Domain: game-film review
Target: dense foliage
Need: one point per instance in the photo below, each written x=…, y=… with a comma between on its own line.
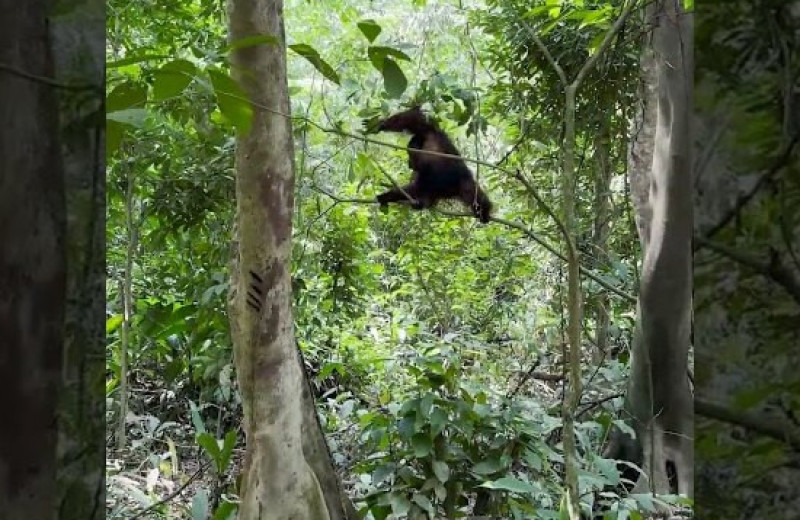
x=434, y=343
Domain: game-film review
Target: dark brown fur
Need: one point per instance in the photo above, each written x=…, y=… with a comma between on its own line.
x=433, y=178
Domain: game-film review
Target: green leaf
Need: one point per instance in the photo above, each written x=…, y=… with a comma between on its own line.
x=200, y=505
x=113, y=322
x=441, y=470
x=422, y=445
x=509, y=484
x=400, y=504
x=394, y=81
x=328, y=368
x=370, y=29
x=311, y=54
x=126, y=95
x=381, y=473
x=172, y=79
x=644, y=501
x=423, y=502
x=135, y=59
x=377, y=53
x=197, y=421
x=211, y=447
x=232, y=101
x=135, y=117
x=225, y=511
x=488, y=466
x=114, y=134
x=227, y=450
x=437, y=420
x=594, y=44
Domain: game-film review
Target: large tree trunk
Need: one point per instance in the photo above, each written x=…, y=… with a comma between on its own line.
x=79, y=52
x=32, y=265
x=659, y=398
x=286, y=474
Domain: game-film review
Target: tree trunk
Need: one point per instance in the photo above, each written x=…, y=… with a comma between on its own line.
x=601, y=210
x=659, y=399
x=32, y=265
x=79, y=52
x=286, y=474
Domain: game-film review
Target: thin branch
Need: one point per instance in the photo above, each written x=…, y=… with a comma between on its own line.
x=343, y=199
x=549, y=57
x=47, y=81
x=587, y=67
x=743, y=200
x=774, y=269
x=594, y=404
x=514, y=225
x=561, y=227
x=760, y=424
x=394, y=182
x=524, y=378
x=174, y=494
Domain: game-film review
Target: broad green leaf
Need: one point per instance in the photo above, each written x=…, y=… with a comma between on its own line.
x=509, y=484
x=400, y=504
x=126, y=95
x=211, y=446
x=232, y=101
x=441, y=470
x=370, y=29
x=488, y=466
x=311, y=54
x=114, y=134
x=376, y=54
x=422, y=445
x=227, y=450
x=644, y=501
x=135, y=117
x=328, y=368
x=394, y=81
x=423, y=502
x=172, y=79
x=225, y=511
x=113, y=322
x=381, y=473
x=197, y=421
x=200, y=505
x=425, y=405
x=594, y=44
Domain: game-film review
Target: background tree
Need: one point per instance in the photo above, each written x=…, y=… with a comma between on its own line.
x=32, y=265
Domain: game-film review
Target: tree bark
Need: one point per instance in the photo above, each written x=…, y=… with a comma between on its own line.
x=79, y=51
x=286, y=475
x=601, y=211
x=32, y=265
x=659, y=399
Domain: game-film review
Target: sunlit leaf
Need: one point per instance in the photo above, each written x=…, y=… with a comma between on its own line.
x=394, y=81
x=172, y=79
x=126, y=95
x=370, y=29
x=441, y=470
x=311, y=54
x=200, y=508
x=232, y=101
x=509, y=484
